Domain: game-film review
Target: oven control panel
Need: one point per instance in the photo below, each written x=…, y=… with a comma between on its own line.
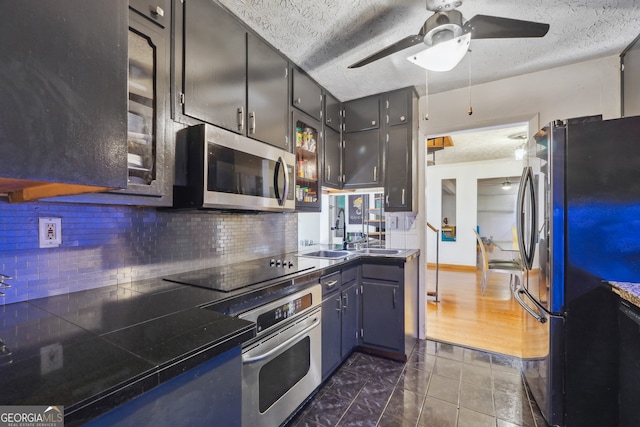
x=283, y=312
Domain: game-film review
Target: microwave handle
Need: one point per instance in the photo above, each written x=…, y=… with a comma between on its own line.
x=282, y=199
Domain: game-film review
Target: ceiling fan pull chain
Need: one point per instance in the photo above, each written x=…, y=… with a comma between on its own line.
x=426, y=84
x=470, y=111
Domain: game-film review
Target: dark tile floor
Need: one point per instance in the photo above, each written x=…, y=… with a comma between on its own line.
x=441, y=385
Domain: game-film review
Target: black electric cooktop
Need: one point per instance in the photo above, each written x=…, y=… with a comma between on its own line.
x=232, y=277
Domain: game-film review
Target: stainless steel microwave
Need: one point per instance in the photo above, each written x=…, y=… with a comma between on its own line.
x=229, y=171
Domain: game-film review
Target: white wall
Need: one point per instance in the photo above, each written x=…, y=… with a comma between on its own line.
x=463, y=250
x=586, y=88
x=497, y=215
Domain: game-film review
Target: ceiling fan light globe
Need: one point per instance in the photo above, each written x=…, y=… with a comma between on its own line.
x=443, y=56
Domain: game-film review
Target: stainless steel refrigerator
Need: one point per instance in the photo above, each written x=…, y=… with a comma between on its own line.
x=578, y=226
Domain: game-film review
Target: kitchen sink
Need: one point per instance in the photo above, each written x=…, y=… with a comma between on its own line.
x=378, y=251
x=327, y=254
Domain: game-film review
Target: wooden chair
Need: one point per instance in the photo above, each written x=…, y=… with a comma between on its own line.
x=513, y=268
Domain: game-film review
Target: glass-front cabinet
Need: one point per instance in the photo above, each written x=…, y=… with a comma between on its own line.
x=141, y=117
x=306, y=137
x=147, y=108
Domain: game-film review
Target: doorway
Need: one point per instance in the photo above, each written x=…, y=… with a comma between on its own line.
x=479, y=162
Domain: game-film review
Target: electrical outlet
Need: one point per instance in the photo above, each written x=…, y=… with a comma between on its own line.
x=50, y=232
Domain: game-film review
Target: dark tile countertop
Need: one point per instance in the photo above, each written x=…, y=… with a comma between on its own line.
x=628, y=291
x=94, y=350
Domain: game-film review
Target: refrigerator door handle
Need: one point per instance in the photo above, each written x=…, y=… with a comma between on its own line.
x=527, y=249
x=517, y=292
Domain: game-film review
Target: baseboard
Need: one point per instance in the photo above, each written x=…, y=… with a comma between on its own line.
x=452, y=267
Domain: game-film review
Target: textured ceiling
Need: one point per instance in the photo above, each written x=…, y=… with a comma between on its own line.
x=324, y=37
x=481, y=145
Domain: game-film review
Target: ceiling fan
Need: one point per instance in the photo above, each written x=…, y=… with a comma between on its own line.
x=447, y=35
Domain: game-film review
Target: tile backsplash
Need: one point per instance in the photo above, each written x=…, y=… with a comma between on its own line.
x=106, y=245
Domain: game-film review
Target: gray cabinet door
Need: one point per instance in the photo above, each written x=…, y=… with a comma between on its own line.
x=158, y=11
x=398, y=185
x=332, y=158
x=214, y=66
x=63, y=97
x=267, y=95
x=350, y=318
x=331, y=333
x=398, y=105
x=332, y=109
x=306, y=94
x=383, y=315
x=362, y=114
x=362, y=164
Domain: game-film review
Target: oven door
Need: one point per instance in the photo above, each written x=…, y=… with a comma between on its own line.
x=281, y=370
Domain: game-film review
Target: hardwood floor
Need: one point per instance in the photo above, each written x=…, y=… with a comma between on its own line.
x=493, y=322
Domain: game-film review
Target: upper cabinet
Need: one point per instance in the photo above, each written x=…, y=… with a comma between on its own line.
x=332, y=108
x=64, y=113
x=398, y=107
x=362, y=114
x=232, y=79
x=332, y=176
x=157, y=11
x=308, y=156
x=362, y=159
x=149, y=148
x=400, y=150
x=306, y=94
x=266, y=93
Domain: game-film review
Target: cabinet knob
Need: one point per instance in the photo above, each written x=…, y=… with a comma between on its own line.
x=328, y=119
x=373, y=122
x=402, y=118
x=297, y=101
x=158, y=11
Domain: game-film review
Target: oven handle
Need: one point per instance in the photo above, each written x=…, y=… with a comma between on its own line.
x=282, y=345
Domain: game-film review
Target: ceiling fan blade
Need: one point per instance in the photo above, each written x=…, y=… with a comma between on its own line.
x=494, y=27
x=396, y=47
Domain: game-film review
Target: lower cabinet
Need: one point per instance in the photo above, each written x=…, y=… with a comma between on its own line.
x=331, y=333
x=209, y=394
x=340, y=325
x=350, y=317
x=383, y=307
x=372, y=306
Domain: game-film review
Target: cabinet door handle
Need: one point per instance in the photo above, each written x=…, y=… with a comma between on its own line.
x=240, y=119
x=252, y=123
x=345, y=299
x=394, y=298
x=157, y=10
x=328, y=173
x=297, y=101
x=402, y=118
x=387, y=200
x=375, y=173
x=338, y=304
x=403, y=196
x=330, y=284
x=373, y=122
x=328, y=119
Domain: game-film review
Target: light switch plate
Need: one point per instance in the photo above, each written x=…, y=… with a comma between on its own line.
x=50, y=232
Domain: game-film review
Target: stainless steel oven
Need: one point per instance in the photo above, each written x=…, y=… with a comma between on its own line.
x=229, y=171
x=281, y=367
